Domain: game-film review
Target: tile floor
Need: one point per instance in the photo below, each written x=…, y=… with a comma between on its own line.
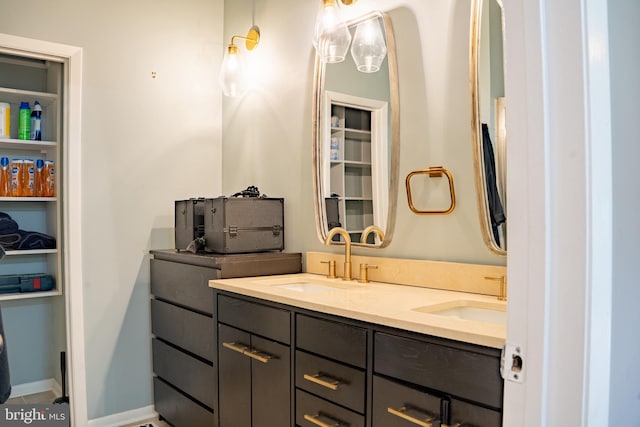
x=49, y=397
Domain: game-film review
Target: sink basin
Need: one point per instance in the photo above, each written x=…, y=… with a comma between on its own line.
x=308, y=285
x=477, y=311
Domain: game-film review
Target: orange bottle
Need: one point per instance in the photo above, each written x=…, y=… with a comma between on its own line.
x=16, y=178
x=5, y=176
x=40, y=178
x=29, y=178
x=50, y=180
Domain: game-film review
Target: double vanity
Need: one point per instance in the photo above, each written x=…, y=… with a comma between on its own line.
x=286, y=348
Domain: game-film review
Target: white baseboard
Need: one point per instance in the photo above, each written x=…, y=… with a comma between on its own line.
x=124, y=418
x=42, y=386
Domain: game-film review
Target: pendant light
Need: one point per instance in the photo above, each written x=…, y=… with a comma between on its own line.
x=368, y=48
x=234, y=79
x=331, y=36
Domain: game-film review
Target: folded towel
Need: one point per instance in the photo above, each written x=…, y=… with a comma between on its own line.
x=12, y=238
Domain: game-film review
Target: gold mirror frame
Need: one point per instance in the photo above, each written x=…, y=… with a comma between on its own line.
x=394, y=100
x=476, y=131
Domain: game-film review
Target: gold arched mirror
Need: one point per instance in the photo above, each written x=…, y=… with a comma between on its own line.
x=486, y=69
x=356, y=141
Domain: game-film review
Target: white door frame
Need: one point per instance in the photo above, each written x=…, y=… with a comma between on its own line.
x=559, y=262
x=72, y=209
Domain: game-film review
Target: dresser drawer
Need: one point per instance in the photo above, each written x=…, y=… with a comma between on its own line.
x=467, y=414
x=463, y=373
x=183, y=284
x=333, y=381
x=256, y=318
x=184, y=328
x=178, y=409
x=309, y=406
x=396, y=405
x=335, y=340
x=185, y=372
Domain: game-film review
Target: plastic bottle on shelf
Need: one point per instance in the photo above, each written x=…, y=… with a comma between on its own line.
x=24, y=121
x=5, y=176
x=36, y=122
x=29, y=178
x=50, y=178
x=5, y=120
x=40, y=178
x=15, y=187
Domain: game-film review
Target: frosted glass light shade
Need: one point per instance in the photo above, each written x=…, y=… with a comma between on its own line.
x=369, y=48
x=331, y=37
x=233, y=73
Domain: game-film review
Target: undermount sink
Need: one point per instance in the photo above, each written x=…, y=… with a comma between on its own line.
x=308, y=285
x=477, y=311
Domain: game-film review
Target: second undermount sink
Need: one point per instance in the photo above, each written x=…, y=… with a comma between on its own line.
x=477, y=311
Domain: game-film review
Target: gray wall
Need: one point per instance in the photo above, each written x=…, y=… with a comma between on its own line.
x=145, y=143
x=624, y=34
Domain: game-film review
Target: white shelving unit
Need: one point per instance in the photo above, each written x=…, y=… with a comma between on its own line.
x=28, y=79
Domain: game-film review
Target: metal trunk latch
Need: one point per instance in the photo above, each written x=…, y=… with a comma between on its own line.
x=233, y=230
x=276, y=230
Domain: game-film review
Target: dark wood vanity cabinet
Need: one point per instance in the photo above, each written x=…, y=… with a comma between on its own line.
x=451, y=382
x=254, y=373
x=323, y=370
x=184, y=327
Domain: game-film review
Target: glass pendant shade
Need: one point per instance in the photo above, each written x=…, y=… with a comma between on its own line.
x=233, y=73
x=368, y=49
x=331, y=37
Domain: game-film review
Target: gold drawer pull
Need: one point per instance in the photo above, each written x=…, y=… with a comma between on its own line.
x=256, y=355
x=314, y=419
x=321, y=379
x=402, y=413
x=239, y=348
x=244, y=349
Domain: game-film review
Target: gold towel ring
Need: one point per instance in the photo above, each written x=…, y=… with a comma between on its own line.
x=433, y=172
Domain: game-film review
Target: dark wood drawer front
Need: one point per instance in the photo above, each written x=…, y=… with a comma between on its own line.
x=333, y=381
x=334, y=340
x=190, y=375
x=256, y=318
x=186, y=329
x=183, y=284
x=323, y=412
x=466, y=374
x=178, y=409
x=394, y=404
x=469, y=415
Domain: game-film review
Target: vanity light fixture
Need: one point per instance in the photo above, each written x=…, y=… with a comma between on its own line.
x=368, y=48
x=234, y=80
x=331, y=36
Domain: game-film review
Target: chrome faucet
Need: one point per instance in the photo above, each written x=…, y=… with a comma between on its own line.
x=369, y=230
x=347, y=248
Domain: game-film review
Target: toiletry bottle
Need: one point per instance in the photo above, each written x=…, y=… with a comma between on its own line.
x=5, y=177
x=24, y=121
x=36, y=122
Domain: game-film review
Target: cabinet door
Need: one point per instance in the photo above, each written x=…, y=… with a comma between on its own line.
x=234, y=377
x=270, y=384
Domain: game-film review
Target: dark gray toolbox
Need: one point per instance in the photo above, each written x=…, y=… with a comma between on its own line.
x=26, y=283
x=243, y=224
x=189, y=222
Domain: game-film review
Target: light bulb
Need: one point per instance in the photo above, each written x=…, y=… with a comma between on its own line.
x=331, y=37
x=368, y=49
x=233, y=74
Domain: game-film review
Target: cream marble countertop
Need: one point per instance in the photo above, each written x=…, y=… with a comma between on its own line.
x=375, y=302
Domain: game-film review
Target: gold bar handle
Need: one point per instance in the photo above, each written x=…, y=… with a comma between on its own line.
x=402, y=413
x=332, y=384
x=314, y=419
x=256, y=355
x=238, y=348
